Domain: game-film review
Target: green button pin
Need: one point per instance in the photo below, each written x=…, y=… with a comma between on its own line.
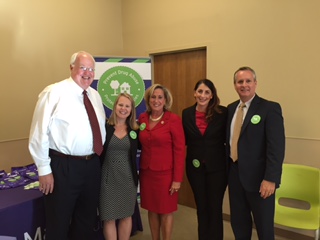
x=196, y=163
x=142, y=126
x=133, y=134
x=255, y=119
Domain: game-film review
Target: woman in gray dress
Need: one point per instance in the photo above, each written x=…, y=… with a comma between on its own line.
x=119, y=170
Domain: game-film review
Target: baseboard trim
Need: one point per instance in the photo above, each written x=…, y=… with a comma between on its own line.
x=281, y=232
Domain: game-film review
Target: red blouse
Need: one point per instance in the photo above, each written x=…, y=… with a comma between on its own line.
x=201, y=121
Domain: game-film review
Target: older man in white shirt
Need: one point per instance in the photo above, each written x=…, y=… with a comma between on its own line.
x=61, y=144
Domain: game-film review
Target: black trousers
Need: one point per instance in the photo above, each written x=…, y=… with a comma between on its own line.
x=71, y=210
x=248, y=207
x=208, y=190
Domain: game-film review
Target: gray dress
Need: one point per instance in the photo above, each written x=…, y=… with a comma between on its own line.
x=118, y=192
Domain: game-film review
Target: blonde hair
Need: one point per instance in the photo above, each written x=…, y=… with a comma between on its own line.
x=131, y=119
x=167, y=95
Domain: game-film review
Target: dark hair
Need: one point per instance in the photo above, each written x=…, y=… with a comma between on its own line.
x=213, y=105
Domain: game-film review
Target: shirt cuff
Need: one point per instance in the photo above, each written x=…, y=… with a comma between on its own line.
x=45, y=170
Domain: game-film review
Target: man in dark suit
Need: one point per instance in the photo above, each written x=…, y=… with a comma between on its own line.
x=255, y=170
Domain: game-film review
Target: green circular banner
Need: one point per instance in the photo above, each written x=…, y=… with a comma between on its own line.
x=118, y=80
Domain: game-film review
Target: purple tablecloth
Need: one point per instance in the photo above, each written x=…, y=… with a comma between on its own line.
x=22, y=215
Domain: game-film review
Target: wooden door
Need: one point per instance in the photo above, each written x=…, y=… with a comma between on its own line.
x=179, y=72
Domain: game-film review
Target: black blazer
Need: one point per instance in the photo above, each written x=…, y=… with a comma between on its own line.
x=133, y=150
x=261, y=145
x=209, y=147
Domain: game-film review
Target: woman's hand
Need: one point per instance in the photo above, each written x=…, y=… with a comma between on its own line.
x=175, y=186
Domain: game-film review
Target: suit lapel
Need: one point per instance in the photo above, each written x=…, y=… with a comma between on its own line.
x=193, y=120
x=251, y=111
x=110, y=131
x=211, y=125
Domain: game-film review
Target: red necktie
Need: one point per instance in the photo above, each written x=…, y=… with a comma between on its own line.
x=97, y=140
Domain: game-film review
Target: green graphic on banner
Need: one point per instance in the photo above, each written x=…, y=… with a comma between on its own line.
x=118, y=80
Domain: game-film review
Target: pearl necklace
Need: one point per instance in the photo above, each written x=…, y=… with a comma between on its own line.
x=156, y=119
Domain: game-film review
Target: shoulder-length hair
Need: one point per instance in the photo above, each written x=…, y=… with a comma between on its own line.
x=131, y=119
x=167, y=95
x=213, y=105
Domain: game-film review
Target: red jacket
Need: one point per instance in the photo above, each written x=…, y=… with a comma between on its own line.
x=163, y=147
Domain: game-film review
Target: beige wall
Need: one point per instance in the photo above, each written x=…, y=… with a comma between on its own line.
x=37, y=40
x=279, y=39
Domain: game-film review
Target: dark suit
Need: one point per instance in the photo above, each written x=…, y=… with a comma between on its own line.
x=209, y=180
x=133, y=150
x=261, y=147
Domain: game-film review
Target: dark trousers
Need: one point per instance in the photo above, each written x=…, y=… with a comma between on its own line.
x=246, y=205
x=208, y=190
x=71, y=210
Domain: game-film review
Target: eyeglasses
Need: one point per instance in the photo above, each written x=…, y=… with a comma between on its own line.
x=87, y=68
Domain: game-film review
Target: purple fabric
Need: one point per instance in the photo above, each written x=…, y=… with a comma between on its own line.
x=21, y=213
x=15, y=196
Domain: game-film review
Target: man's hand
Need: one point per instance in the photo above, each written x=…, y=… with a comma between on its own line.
x=46, y=183
x=267, y=189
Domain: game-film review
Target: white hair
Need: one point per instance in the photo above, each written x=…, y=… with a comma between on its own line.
x=75, y=55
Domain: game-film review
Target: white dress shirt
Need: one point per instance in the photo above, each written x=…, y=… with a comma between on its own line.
x=60, y=122
x=245, y=110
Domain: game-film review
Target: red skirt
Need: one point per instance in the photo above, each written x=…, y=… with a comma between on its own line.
x=154, y=191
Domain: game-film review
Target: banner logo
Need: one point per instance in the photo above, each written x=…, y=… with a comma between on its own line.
x=118, y=80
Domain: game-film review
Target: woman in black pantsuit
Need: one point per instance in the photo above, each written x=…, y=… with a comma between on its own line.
x=205, y=131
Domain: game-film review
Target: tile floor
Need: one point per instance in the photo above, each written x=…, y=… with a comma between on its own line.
x=185, y=226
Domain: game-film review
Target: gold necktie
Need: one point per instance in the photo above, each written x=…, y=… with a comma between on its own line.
x=236, y=132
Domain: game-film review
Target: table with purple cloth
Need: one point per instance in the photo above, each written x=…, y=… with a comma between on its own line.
x=22, y=215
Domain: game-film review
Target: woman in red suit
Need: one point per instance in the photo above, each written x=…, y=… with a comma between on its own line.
x=204, y=126
x=161, y=161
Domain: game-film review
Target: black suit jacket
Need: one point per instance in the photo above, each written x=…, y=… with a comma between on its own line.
x=261, y=145
x=133, y=150
x=209, y=147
